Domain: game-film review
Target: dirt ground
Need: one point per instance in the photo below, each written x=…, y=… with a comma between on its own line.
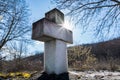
x=77, y=75
x=89, y=75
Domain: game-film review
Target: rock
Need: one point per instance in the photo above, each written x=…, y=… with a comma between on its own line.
x=99, y=76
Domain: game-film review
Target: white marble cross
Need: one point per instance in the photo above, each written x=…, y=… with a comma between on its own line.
x=56, y=37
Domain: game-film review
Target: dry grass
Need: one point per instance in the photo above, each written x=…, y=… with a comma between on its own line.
x=109, y=64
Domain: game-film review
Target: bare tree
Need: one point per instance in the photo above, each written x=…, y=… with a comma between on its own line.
x=14, y=24
x=20, y=49
x=14, y=52
x=102, y=16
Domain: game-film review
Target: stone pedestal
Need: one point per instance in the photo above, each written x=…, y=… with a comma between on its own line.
x=55, y=57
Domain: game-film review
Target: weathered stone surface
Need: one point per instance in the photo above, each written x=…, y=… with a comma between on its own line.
x=45, y=30
x=55, y=57
x=50, y=31
x=55, y=16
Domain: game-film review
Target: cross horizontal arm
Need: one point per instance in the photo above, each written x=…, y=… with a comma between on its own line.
x=45, y=30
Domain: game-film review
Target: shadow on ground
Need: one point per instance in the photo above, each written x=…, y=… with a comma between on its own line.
x=45, y=76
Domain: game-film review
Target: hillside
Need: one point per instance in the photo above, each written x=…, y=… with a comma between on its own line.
x=108, y=53
x=103, y=55
x=102, y=49
x=97, y=56
x=107, y=49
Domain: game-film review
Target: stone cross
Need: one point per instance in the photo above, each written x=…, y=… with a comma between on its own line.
x=56, y=37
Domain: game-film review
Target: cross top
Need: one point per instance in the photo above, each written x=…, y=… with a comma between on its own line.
x=55, y=15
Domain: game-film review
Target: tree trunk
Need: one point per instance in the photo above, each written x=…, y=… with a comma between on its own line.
x=2, y=44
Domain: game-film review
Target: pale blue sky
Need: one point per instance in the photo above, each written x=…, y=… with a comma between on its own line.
x=39, y=7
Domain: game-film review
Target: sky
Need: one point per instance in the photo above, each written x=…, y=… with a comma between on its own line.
x=37, y=10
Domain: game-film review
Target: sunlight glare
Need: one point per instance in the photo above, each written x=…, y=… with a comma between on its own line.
x=68, y=24
x=38, y=42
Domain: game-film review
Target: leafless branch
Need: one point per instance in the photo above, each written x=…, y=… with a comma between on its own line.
x=104, y=14
x=14, y=23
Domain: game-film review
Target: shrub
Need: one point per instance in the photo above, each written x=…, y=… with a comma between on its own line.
x=81, y=58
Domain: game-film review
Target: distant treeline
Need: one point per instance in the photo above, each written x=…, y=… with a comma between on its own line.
x=103, y=49
x=97, y=56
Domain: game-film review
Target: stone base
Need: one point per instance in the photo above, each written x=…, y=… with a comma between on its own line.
x=45, y=76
